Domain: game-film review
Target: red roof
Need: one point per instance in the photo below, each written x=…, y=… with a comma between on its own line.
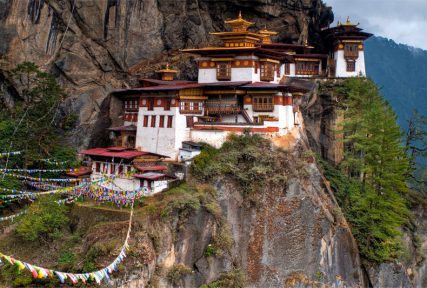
x=151, y=168
x=151, y=176
x=264, y=85
x=106, y=152
x=170, y=87
x=81, y=171
x=118, y=152
x=163, y=82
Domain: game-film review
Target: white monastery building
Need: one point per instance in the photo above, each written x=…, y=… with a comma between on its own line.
x=248, y=84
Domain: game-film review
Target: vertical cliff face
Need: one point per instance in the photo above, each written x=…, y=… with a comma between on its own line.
x=283, y=236
x=91, y=44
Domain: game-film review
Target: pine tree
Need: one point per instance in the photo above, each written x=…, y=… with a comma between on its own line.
x=376, y=168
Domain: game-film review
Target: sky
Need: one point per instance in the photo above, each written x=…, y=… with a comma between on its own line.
x=404, y=21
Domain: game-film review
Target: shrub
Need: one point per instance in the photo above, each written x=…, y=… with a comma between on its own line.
x=235, y=279
x=177, y=272
x=44, y=220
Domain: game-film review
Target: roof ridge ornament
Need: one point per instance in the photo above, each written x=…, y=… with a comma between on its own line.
x=239, y=24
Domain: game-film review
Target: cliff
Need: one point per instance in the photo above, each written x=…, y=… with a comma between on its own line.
x=284, y=230
x=90, y=45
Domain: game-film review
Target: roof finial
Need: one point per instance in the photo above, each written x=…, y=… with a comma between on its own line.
x=240, y=14
x=348, y=20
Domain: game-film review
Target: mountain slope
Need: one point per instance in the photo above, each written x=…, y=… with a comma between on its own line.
x=401, y=72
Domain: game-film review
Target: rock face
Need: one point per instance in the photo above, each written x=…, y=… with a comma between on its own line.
x=91, y=44
x=294, y=236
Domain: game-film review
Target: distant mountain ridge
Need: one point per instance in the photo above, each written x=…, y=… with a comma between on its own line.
x=401, y=73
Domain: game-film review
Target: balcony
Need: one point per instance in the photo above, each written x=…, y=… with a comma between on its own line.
x=222, y=107
x=263, y=107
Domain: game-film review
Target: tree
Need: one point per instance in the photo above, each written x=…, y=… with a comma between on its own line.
x=374, y=171
x=416, y=149
x=30, y=126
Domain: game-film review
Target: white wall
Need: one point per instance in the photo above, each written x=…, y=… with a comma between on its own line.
x=207, y=75
x=341, y=65
x=164, y=141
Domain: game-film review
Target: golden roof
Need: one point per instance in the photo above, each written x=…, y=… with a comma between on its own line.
x=239, y=24
x=347, y=23
x=167, y=70
x=266, y=32
x=266, y=35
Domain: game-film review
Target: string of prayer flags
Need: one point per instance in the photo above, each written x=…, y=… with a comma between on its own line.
x=54, y=162
x=31, y=171
x=5, y=154
x=11, y=217
x=97, y=276
x=40, y=179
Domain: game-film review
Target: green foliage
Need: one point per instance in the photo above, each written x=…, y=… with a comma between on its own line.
x=66, y=261
x=235, y=279
x=11, y=274
x=44, y=220
x=371, y=182
x=32, y=124
x=176, y=272
x=247, y=159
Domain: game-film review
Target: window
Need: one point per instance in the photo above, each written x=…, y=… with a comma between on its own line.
x=120, y=169
x=162, y=121
x=190, y=107
x=170, y=118
x=145, y=124
x=307, y=68
x=97, y=167
x=150, y=104
x=351, y=66
x=190, y=121
x=168, y=104
x=351, y=50
x=263, y=103
x=126, y=104
x=223, y=71
x=278, y=71
x=153, y=121
x=287, y=68
x=267, y=71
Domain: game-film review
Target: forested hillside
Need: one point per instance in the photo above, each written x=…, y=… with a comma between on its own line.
x=401, y=73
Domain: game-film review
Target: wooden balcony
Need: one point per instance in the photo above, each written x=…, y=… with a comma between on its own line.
x=263, y=107
x=222, y=107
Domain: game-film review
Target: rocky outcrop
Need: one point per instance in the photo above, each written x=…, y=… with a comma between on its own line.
x=91, y=44
x=290, y=236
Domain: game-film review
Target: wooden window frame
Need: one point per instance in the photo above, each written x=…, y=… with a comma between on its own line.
x=162, y=121
x=351, y=66
x=307, y=68
x=189, y=121
x=170, y=121
x=351, y=50
x=263, y=103
x=153, y=121
x=267, y=71
x=287, y=68
x=223, y=71
x=150, y=104
x=145, y=123
x=167, y=104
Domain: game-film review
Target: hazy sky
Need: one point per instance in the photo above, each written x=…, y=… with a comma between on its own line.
x=403, y=21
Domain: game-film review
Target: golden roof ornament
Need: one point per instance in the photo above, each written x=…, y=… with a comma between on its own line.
x=167, y=70
x=266, y=35
x=239, y=24
x=347, y=23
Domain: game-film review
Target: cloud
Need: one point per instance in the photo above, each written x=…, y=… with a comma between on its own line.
x=402, y=21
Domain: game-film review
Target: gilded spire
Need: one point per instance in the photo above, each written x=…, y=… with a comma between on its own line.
x=239, y=24
x=266, y=35
x=347, y=23
x=167, y=73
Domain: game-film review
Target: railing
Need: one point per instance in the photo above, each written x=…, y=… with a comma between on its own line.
x=222, y=107
x=263, y=107
x=189, y=111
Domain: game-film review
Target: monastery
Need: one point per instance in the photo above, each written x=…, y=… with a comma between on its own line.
x=248, y=84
